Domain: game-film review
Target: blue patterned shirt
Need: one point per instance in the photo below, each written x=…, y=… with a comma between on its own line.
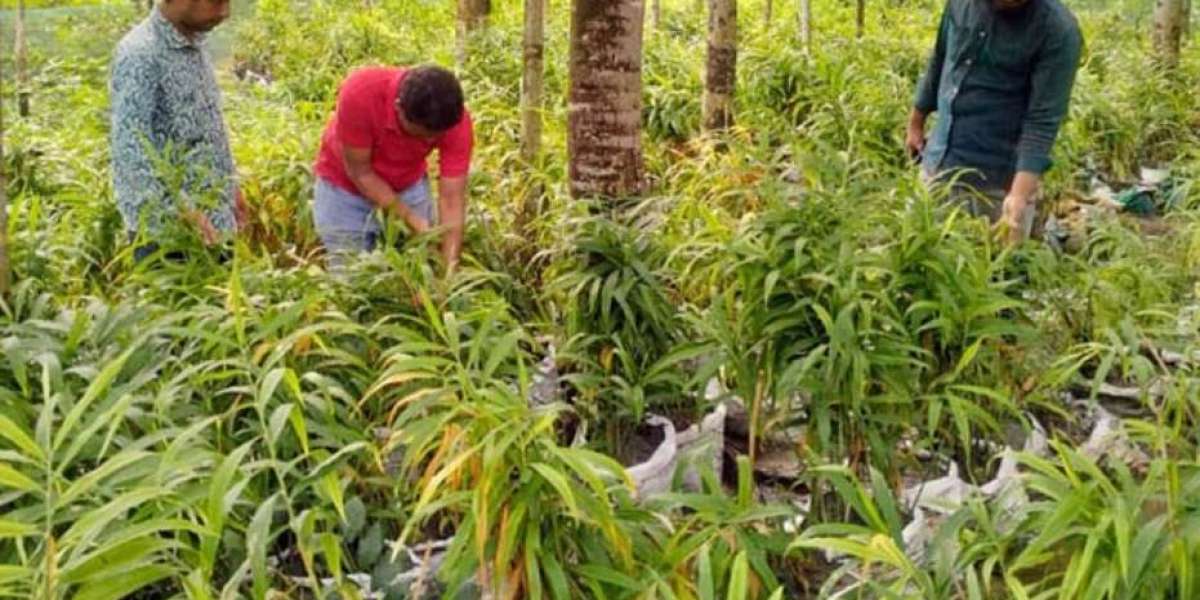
x=169, y=144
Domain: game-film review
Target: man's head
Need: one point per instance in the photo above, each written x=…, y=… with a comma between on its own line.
x=430, y=102
x=195, y=16
x=1009, y=5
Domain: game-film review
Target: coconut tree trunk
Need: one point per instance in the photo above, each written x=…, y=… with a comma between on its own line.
x=860, y=18
x=656, y=13
x=532, y=84
x=1186, y=29
x=806, y=25
x=532, y=88
x=721, y=75
x=21, y=61
x=768, y=10
x=4, y=266
x=604, y=115
x=1168, y=31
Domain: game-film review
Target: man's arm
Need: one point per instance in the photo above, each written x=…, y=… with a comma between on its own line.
x=926, y=100
x=375, y=189
x=1051, y=82
x=452, y=210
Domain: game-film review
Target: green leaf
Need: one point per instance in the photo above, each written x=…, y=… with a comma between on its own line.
x=561, y=485
x=14, y=529
x=99, y=386
x=705, y=586
x=258, y=540
x=14, y=479
x=122, y=585
x=15, y=434
x=739, y=588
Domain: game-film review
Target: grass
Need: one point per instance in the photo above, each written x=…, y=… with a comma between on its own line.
x=254, y=427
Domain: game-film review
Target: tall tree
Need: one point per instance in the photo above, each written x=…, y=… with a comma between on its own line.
x=656, y=13
x=21, y=61
x=1168, y=31
x=4, y=268
x=720, y=78
x=1187, y=21
x=860, y=18
x=604, y=118
x=768, y=9
x=806, y=25
x=472, y=16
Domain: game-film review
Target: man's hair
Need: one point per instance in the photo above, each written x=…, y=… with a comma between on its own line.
x=431, y=97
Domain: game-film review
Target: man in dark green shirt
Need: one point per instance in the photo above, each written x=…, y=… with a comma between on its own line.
x=1000, y=79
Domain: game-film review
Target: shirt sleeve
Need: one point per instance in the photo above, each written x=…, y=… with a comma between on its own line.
x=353, y=112
x=927, y=89
x=454, y=149
x=1050, y=95
x=133, y=92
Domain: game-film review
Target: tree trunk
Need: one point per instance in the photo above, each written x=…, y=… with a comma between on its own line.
x=21, y=62
x=1186, y=29
x=768, y=9
x=604, y=115
x=720, y=79
x=472, y=16
x=656, y=14
x=1168, y=31
x=532, y=84
x=806, y=25
x=860, y=18
x=4, y=268
x=532, y=92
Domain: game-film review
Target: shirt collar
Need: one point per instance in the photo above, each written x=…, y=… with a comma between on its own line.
x=167, y=32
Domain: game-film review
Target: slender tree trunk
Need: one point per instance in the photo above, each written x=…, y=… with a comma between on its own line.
x=604, y=115
x=656, y=13
x=720, y=79
x=806, y=25
x=768, y=9
x=4, y=266
x=1186, y=29
x=860, y=18
x=532, y=84
x=1168, y=31
x=21, y=61
x=472, y=16
x=532, y=87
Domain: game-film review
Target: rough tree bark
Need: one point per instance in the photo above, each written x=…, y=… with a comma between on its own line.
x=806, y=25
x=21, y=61
x=720, y=78
x=604, y=114
x=860, y=18
x=472, y=16
x=1168, y=31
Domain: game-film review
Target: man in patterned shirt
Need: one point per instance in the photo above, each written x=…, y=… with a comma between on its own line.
x=170, y=150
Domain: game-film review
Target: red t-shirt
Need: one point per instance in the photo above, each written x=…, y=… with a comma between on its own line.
x=366, y=118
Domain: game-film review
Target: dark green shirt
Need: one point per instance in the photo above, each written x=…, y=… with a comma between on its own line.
x=1000, y=82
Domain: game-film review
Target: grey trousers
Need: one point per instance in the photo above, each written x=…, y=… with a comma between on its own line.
x=980, y=197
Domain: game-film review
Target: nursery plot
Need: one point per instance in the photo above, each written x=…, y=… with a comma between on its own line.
x=785, y=368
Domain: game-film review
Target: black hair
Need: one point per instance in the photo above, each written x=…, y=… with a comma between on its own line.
x=431, y=97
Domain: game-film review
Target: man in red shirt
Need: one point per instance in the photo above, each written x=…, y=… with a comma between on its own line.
x=388, y=120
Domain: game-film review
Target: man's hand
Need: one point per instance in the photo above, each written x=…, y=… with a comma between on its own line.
x=1021, y=198
x=914, y=138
